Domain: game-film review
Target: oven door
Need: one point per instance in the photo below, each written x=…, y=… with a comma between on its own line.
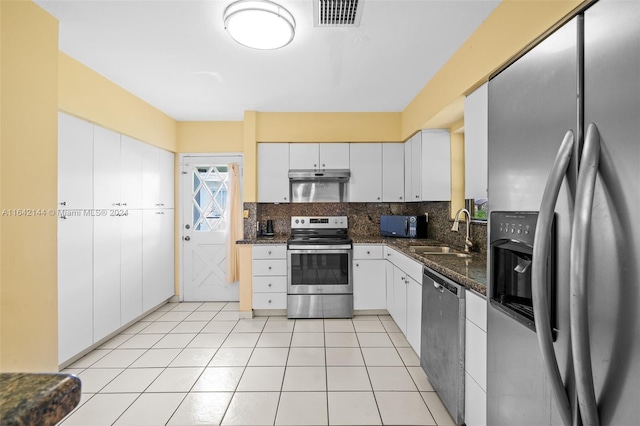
x=320, y=271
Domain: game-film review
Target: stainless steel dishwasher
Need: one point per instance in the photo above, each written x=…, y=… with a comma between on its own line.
x=442, y=344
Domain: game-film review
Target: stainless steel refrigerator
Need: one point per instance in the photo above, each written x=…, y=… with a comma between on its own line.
x=564, y=120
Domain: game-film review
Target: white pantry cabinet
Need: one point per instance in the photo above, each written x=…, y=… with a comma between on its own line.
x=369, y=286
x=319, y=156
x=101, y=247
x=273, y=172
x=476, y=141
x=393, y=173
x=436, y=165
x=365, y=183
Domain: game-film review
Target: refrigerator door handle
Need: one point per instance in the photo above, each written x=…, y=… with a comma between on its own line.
x=541, y=247
x=578, y=276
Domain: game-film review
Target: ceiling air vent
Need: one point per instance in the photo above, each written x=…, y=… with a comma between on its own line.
x=337, y=13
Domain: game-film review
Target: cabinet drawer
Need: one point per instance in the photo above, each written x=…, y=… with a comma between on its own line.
x=270, y=284
x=270, y=267
x=367, y=252
x=269, y=300
x=269, y=251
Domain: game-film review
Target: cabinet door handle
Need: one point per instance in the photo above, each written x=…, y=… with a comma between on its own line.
x=269, y=301
x=269, y=252
x=401, y=198
x=269, y=285
x=368, y=252
x=357, y=265
x=269, y=267
x=64, y=203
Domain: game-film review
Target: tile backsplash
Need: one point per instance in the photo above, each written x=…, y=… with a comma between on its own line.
x=364, y=219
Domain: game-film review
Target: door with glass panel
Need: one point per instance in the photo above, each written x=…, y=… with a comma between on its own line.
x=206, y=203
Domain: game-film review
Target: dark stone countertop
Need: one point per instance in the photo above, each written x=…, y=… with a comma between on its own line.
x=37, y=399
x=469, y=272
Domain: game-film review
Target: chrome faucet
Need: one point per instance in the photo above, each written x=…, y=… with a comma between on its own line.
x=467, y=241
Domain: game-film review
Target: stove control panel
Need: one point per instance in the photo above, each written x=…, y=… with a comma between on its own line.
x=319, y=222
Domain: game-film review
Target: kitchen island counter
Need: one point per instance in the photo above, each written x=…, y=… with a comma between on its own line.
x=37, y=399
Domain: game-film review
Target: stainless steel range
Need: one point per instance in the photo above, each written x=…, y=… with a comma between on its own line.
x=320, y=279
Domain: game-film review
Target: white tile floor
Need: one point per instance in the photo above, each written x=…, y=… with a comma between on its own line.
x=198, y=364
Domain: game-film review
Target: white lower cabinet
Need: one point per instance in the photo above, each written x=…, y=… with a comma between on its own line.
x=75, y=285
x=475, y=360
x=414, y=313
x=157, y=257
x=117, y=272
x=106, y=276
x=369, y=268
x=269, y=280
x=131, y=266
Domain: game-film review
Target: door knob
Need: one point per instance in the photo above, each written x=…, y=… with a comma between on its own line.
x=187, y=238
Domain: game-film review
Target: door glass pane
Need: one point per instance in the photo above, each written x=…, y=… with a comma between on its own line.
x=210, y=189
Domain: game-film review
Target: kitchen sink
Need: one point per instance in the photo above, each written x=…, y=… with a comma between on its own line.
x=439, y=250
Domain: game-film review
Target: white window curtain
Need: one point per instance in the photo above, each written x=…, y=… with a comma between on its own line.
x=235, y=224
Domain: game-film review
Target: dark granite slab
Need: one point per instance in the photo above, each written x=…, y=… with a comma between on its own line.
x=37, y=399
x=469, y=272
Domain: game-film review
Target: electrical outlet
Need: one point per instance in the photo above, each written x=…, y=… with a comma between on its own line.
x=246, y=213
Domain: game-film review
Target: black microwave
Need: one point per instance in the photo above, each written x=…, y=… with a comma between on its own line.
x=403, y=226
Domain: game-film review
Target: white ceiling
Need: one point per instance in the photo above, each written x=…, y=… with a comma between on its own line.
x=177, y=56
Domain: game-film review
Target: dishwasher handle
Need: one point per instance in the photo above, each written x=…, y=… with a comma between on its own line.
x=442, y=283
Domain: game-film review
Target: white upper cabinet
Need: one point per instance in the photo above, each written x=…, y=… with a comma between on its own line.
x=436, y=165
x=334, y=156
x=273, y=168
x=157, y=178
x=106, y=169
x=166, y=168
x=408, y=165
x=416, y=167
x=319, y=156
x=75, y=163
x=393, y=173
x=365, y=183
x=476, y=130
x=131, y=173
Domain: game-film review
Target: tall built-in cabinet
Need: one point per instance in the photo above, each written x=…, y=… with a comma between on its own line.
x=476, y=141
x=115, y=232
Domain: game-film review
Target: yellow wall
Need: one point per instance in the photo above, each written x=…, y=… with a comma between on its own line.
x=29, y=169
x=88, y=95
x=328, y=127
x=210, y=136
x=457, y=172
x=512, y=26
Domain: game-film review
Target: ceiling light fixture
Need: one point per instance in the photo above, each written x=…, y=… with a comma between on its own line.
x=259, y=24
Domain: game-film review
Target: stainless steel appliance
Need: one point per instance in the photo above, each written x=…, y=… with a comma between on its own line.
x=443, y=339
x=564, y=140
x=403, y=226
x=318, y=186
x=320, y=278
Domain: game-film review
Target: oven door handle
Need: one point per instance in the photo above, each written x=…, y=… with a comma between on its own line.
x=541, y=249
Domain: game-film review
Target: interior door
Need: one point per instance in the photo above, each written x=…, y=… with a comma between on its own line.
x=205, y=225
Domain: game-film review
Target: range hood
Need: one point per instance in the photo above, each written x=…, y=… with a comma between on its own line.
x=319, y=186
x=315, y=175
